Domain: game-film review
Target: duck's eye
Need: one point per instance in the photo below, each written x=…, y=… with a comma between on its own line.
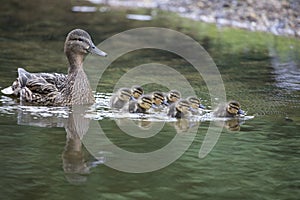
x=76, y=39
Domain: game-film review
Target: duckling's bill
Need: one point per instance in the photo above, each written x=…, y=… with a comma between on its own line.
x=241, y=112
x=202, y=106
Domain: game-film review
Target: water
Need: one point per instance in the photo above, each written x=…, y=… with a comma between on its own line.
x=42, y=158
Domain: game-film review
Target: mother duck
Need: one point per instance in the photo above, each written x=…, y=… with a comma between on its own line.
x=53, y=89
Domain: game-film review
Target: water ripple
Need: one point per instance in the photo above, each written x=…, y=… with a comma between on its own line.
x=43, y=116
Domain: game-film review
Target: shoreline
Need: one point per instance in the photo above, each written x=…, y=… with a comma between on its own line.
x=279, y=17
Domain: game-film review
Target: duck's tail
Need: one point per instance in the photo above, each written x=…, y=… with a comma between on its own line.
x=7, y=91
x=18, y=84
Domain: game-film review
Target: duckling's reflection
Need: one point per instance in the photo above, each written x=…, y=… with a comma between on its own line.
x=74, y=159
x=184, y=125
x=143, y=124
x=233, y=124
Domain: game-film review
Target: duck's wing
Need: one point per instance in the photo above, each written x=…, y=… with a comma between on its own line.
x=35, y=82
x=34, y=88
x=54, y=78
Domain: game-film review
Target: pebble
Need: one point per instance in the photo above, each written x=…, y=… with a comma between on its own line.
x=280, y=17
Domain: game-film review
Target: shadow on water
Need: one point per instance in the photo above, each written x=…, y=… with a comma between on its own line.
x=41, y=151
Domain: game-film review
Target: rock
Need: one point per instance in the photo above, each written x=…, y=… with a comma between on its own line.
x=276, y=16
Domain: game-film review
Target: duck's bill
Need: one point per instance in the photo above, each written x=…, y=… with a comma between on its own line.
x=95, y=50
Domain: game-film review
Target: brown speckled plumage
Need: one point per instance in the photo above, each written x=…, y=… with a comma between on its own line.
x=59, y=89
x=230, y=109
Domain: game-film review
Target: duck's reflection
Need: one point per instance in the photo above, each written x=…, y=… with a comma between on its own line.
x=77, y=163
x=74, y=160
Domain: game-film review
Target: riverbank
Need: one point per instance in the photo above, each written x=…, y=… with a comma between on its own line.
x=279, y=17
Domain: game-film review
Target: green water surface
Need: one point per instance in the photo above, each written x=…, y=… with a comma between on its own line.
x=259, y=160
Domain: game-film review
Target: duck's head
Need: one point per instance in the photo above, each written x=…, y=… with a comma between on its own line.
x=195, y=102
x=234, y=108
x=124, y=94
x=145, y=102
x=157, y=98
x=183, y=106
x=173, y=96
x=137, y=91
x=79, y=43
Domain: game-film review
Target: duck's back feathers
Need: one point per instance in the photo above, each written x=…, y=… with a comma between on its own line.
x=41, y=82
x=56, y=79
x=36, y=87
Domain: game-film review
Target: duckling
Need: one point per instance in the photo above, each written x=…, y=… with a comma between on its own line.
x=119, y=99
x=195, y=105
x=180, y=109
x=157, y=100
x=171, y=97
x=136, y=92
x=59, y=89
x=231, y=109
x=142, y=105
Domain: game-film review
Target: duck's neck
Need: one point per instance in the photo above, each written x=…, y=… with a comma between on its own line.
x=75, y=62
x=78, y=88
